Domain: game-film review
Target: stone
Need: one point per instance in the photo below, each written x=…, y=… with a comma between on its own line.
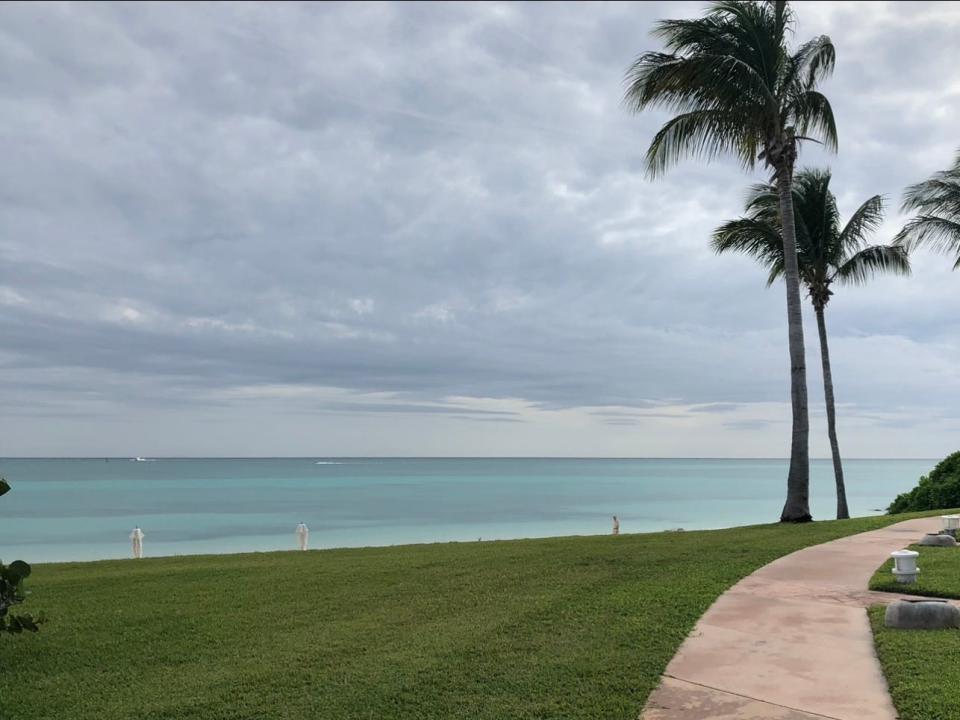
x=938, y=540
x=922, y=615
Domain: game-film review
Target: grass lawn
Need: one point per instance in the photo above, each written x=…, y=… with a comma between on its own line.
x=920, y=664
x=560, y=628
x=921, y=669
x=939, y=574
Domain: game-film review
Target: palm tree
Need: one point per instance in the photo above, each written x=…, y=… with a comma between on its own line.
x=735, y=88
x=938, y=224
x=826, y=254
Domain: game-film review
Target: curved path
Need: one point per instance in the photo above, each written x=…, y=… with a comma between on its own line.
x=792, y=641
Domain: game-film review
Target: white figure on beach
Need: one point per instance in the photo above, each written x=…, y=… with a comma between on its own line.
x=616, y=525
x=136, y=539
x=303, y=535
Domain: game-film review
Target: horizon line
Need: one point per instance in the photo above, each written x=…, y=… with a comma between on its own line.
x=429, y=457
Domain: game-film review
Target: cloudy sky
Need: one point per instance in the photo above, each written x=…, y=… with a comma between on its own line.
x=424, y=229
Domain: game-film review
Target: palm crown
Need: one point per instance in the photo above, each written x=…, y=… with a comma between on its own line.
x=734, y=86
x=938, y=201
x=827, y=253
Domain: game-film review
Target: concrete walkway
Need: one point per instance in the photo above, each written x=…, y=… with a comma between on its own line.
x=792, y=641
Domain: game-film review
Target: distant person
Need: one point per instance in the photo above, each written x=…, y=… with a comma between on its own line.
x=303, y=535
x=136, y=539
x=616, y=525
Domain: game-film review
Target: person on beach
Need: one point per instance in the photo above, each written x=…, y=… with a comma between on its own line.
x=136, y=539
x=303, y=535
x=616, y=525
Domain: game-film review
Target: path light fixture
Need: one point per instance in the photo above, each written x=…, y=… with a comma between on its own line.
x=905, y=568
x=950, y=523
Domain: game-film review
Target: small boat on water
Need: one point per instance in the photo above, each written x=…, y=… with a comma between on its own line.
x=140, y=459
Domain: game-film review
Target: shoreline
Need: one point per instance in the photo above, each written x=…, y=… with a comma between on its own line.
x=422, y=544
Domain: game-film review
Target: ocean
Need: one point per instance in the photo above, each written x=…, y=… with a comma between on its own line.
x=84, y=509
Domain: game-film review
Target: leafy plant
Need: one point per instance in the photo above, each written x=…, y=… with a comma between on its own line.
x=937, y=201
x=939, y=489
x=12, y=592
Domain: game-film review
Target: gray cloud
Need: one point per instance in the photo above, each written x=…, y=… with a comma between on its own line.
x=407, y=204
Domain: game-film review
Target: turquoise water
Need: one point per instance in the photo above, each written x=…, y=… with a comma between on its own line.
x=84, y=509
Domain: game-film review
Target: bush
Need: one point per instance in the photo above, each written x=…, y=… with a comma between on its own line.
x=938, y=490
x=12, y=592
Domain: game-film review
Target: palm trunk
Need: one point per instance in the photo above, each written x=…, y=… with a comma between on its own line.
x=842, y=512
x=797, y=506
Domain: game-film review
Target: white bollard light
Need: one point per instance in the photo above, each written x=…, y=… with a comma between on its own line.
x=905, y=568
x=950, y=522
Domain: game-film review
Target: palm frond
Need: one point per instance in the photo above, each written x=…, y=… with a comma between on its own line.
x=816, y=217
x=813, y=116
x=813, y=62
x=776, y=272
x=692, y=36
x=699, y=82
x=939, y=194
x=733, y=86
x=825, y=252
x=758, y=32
x=755, y=238
x=866, y=219
x=866, y=263
x=940, y=234
x=702, y=133
x=763, y=201
x=748, y=236
x=938, y=201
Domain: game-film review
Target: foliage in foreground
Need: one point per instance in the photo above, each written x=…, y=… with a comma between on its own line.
x=571, y=628
x=939, y=574
x=937, y=202
x=920, y=668
x=938, y=490
x=12, y=592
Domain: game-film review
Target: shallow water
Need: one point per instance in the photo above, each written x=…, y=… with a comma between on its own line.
x=68, y=509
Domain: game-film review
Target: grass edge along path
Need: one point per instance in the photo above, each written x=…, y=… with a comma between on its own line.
x=921, y=669
x=576, y=627
x=939, y=574
x=919, y=665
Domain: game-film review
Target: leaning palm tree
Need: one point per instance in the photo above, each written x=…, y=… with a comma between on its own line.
x=827, y=254
x=938, y=224
x=736, y=88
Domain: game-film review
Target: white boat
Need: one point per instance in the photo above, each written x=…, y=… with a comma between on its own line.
x=139, y=459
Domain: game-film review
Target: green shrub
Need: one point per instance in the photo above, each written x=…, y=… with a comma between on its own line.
x=939, y=489
x=12, y=592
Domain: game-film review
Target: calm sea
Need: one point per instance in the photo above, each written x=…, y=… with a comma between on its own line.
x=84, y=509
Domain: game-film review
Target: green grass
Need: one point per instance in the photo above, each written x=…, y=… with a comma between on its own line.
x=559, y=628
x=920, y=665
x=921, y=669
x=939, y=574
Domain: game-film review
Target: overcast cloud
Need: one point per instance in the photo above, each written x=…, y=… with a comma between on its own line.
x=424, y=229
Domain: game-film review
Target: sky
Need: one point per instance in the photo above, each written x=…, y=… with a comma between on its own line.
x=425, y=229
